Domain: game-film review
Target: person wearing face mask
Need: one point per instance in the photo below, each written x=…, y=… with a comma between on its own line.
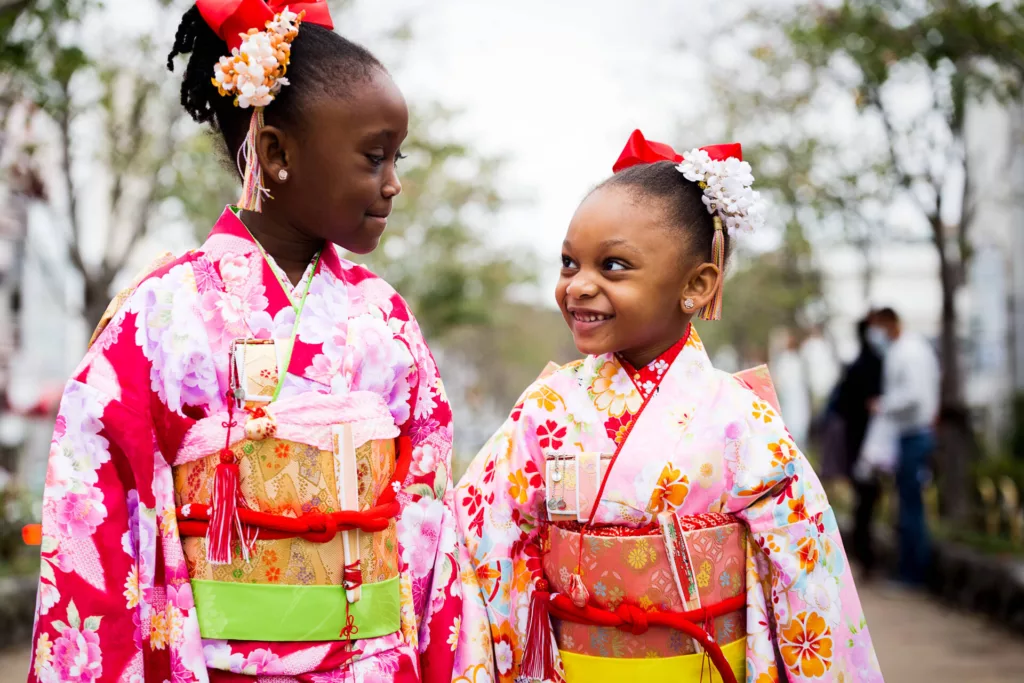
x=861, y=384
x=910, y=401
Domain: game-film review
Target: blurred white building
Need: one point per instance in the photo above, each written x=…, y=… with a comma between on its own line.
x=991, y=304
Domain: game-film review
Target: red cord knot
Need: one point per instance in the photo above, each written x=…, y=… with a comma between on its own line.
x=350, y=629
x=317, y=522
x=257, y=413
x=227, y=456
x=353, y=576
x=542, y=586
x=634, y=619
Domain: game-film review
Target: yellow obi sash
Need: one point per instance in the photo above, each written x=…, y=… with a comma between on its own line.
x=585, y=669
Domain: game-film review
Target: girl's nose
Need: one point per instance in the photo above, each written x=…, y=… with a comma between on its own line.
x=581, y=287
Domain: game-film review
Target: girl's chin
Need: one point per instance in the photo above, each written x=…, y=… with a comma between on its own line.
x=591, y=347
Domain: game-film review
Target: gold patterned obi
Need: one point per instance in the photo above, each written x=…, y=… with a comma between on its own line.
x=314, y=544
x=664, y=598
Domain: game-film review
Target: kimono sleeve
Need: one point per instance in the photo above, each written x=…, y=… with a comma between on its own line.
x=426, y=523
x=89, y=609
x=810, y=611
x=499, y=506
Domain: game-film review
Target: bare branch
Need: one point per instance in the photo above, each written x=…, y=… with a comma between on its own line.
x=127, y=149
x=148, y=205
x=64, y=126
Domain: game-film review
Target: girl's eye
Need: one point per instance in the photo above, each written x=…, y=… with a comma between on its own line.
x=614, y=265
x=375, y=159
x=399, y=156
x=567, y=262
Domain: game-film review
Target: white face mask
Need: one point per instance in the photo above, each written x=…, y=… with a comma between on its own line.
x=878, y=339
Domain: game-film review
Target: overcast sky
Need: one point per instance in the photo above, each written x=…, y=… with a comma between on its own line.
x=555, y=87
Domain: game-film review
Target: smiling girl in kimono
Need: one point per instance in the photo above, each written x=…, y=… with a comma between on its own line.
x=652, y=510
x=248, y=478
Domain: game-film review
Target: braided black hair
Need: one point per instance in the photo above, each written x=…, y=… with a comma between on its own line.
x=322, y=64
x=681, y=199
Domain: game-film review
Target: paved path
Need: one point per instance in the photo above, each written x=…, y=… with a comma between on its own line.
x=917, y=642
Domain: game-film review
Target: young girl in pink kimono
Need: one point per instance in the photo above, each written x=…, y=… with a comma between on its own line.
x=651, y=511
x=249, y=475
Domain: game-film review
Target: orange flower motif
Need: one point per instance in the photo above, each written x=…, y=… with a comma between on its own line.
x=763, y=411
x=807, y=645
x=782, y=452
x=798, y=510
x=670, y=491
x=547, y=399
x=522, y=575
x=507, y=650
x=520, y=488
x=770, y=676
x=808, y=553
x=273, y=574
x=270, y=557
x=759, y=489
x=282, y=450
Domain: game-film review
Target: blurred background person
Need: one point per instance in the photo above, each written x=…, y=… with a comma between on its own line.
x=790, y=378
x=910, y=400
x=859, y=386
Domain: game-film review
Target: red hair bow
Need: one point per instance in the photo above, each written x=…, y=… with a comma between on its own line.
x=229, y=18
x=639, y=150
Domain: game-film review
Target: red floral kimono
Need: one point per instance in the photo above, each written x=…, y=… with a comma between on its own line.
x=342, y=550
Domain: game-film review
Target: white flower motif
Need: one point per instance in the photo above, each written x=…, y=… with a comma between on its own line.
x=727, y=189
x=254, y=73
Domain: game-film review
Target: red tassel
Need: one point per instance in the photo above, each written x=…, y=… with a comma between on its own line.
x=223, y=510
x=539, y=650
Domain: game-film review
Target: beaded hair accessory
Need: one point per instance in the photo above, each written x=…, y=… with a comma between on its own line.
x=726, y=180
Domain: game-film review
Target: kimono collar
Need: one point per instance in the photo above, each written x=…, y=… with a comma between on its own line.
x=647, y=378
x=230, y=228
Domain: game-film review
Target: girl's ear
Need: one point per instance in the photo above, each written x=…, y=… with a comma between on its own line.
x=700, y=288
x=272, y=150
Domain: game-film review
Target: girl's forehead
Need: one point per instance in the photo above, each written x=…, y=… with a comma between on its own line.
x=615, y=217
x=374, y=108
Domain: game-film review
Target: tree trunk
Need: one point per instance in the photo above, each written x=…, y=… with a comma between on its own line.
x=95, y=300
x=957, y=446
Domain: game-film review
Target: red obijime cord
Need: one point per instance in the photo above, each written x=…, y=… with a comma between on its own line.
x=606, y=477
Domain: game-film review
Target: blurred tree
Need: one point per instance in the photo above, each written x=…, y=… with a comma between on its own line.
x=435, y=250
x=907, y=71
x=111, y=120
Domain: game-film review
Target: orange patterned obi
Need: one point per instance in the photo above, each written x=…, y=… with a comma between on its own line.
x=648, y=587
x=291, y=504
x=320, y=538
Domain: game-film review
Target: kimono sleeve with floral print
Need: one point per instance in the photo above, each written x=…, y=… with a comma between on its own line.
x=810, y=611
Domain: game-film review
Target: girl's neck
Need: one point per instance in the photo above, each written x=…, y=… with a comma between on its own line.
x=642, y=356
x=291, y=249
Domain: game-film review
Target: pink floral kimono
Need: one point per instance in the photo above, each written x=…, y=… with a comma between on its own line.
x=711, y=549
x=320, y=407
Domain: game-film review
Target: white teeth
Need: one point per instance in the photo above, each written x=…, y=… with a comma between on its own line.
x=590, y=318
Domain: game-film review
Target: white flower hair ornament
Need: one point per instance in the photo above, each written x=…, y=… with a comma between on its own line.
x=727, y=182
x=259, y=35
